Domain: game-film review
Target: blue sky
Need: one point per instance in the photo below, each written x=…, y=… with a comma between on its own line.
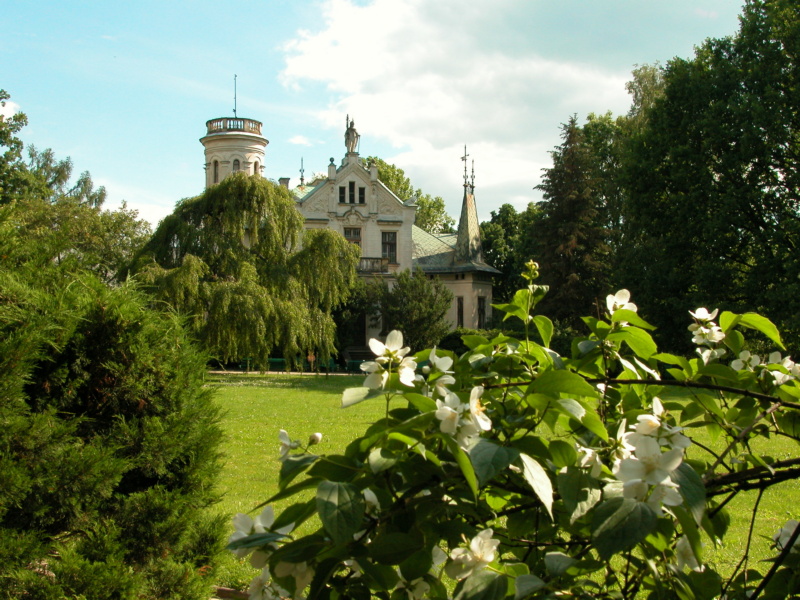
x=125, y=89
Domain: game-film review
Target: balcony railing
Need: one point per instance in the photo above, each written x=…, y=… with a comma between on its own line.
x=368, y=264
x=233, y=124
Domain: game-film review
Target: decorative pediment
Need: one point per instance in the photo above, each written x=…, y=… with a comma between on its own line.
x=352, y=217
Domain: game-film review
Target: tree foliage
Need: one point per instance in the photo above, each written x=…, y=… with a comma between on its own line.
x=110, y=441
x=431, y=214
x=570, y=235
x=712, y=215
x=512, y=472
x=237, y=262
x=415, y=305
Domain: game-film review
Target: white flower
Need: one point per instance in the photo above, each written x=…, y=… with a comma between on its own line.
x=449, y=412
x=685, y=555
x=702, y=314
x=373, y=506
x=391, y=349
x=623, y=447
x=481, y=552
x=441, y=363
x=406, y=371
x=314, y=438
x=589, y=459
x=746, y=361
x=286, y=444
x=260, y=588
x=443, y=381
x=477, y=410
x=245, y=525
x=302, y=573
x=620, y=300
x=708, y=355
x=415, y=589
x=648, y=463
x=376, y=375
x=663, y=493
x=781, y=538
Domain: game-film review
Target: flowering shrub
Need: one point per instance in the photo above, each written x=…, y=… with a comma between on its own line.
x=511, y=471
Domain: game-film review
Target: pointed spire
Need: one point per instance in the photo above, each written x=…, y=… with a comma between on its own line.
x=468, y=242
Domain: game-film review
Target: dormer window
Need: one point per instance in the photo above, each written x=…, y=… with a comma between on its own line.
x=362, y=195
x=352, y=190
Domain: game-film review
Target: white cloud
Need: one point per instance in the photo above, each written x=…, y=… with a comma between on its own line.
x=8, y=109
x=300, y=140
x=427, y=78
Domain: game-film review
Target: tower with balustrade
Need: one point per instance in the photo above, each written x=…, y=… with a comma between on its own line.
x=233, y=144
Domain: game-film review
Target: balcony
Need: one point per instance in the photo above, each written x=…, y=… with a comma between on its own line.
x=368, y=264
x=233, y=124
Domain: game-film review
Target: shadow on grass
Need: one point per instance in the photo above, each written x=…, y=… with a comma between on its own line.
x=321, y=383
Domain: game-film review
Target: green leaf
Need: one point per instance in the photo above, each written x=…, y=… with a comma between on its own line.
x=579, y=491
x=545, y=328
x=690, y=530
x=484, y=585
x=637, y=339
x=382, y=577
x=563, y=453
x=420, y=402
x=335, y=468
x=255, y=540
x=295, y=515
x=628, y=316
x=416, y=565
x=488, y=459
x=539, y=481
x=341, y=509
x=619, y=524
x=358, y=394
x=292, y=465
x=764, y=325
x=463, y=462
x=557, y=563
x=395, y=547
x=304, y=549
x=557, y=382
x=526, y=585
x=381, y=459
x=692, y=489
x=473, y=341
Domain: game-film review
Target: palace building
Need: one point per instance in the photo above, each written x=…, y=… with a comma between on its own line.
x=354, y=202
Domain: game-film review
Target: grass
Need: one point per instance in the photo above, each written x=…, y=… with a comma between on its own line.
x=257, y=406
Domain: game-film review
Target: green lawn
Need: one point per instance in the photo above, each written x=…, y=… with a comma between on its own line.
x=257, y=406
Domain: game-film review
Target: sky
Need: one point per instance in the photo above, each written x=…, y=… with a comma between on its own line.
x=125, y=88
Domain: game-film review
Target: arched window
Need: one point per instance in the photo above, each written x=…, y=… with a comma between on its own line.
x=236, y=165
x=255, y=168
x=216, y=171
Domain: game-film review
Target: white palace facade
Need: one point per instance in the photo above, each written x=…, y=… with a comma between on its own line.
x=354, y=202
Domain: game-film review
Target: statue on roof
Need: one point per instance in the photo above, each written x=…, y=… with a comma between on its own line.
x=351, y=136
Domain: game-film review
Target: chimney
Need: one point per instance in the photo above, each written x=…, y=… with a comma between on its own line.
x=284, y=181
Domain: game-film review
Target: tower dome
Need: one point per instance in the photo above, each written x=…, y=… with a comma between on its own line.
x=233, y=144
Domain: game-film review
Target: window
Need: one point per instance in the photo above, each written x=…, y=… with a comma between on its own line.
x=255, y=168
x=362, y=195
x=216, y=171
x=352, y=190
x=353, y=235
x=460, y=311
x=389, y=246
x=236, y=165
x=481, y=312
x=342, y=197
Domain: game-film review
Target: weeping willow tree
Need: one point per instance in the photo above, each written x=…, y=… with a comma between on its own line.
x=237, y=262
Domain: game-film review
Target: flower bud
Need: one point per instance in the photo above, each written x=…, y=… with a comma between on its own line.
x=315, y=438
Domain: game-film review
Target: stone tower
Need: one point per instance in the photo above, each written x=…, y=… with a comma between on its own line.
x=233, y=144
